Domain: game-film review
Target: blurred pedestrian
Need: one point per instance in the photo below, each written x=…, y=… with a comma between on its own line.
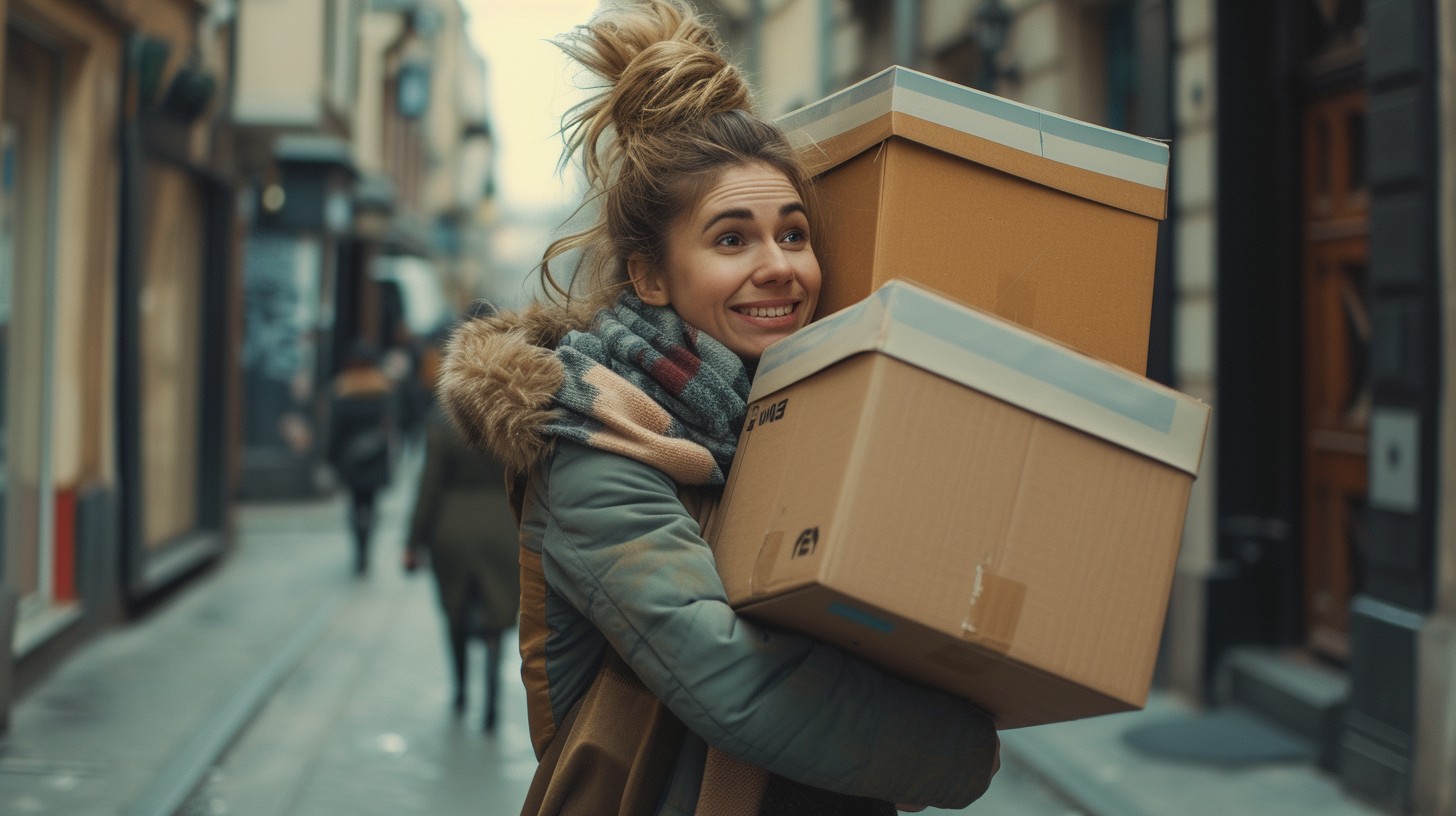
x=464, y=526
x=361, y=440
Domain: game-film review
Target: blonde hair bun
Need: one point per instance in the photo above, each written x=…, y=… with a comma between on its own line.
x=664, y=69
x=673, y=82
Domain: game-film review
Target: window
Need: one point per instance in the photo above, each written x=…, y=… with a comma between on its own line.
x=28, y=154
x=171, y=303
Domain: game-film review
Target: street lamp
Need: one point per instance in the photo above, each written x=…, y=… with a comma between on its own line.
x=991, y=26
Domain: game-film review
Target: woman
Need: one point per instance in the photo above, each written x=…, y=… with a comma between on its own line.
x=462, y=525
x=647, y=693
x=361, y=440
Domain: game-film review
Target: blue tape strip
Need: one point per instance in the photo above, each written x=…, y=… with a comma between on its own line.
x=984, y=338
x=967, y=98
x=861, y=617
x=1122, y=143
x=1049, y=364
x=843, y=100
x=1109, y=140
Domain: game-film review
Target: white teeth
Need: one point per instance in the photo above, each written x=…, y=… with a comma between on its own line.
x=767, y=311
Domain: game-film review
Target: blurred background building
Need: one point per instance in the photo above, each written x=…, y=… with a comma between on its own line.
x=364, y=155
x=1304, y=289
x=203, y=204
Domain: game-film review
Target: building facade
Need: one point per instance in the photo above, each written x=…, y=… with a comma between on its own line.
x=365, y=146
x=1303, y=289
x=117, y=286
x=297, y=81
x=192, y=197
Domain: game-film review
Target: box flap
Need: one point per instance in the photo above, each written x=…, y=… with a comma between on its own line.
x=998, y=358
x=895, y=100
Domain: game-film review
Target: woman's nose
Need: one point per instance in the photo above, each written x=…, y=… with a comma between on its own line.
x=775, y=267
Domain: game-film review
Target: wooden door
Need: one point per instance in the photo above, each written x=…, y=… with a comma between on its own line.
x=1336, y=369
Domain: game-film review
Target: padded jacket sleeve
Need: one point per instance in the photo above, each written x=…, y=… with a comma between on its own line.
x=619, y=546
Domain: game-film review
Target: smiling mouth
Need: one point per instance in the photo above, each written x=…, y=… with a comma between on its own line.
x=767, y=311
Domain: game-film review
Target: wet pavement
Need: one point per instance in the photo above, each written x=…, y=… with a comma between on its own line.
x=279, y=684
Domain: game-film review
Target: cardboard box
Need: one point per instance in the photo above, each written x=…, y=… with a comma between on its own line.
x=964, y=502
x=1040, y=219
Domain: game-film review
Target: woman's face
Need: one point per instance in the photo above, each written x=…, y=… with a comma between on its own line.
x=739, y=266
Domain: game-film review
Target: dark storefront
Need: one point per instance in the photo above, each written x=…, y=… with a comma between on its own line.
x=1329, y=373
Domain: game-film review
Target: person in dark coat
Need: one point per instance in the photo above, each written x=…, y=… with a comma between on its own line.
x=361, y=440
x=464, y=525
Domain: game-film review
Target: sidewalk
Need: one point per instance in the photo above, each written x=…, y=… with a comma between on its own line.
x=136, y=722
x=131, y=723
x=1091, y=763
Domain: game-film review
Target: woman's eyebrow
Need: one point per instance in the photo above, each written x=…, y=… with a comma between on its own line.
x=740, y=213
x=728, y=215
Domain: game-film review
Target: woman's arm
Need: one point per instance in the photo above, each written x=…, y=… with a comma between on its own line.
x=620, y=547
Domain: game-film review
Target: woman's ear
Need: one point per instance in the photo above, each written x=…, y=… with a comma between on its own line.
x=647, y=281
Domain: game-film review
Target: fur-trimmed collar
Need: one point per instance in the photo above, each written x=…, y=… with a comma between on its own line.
x=499, y=376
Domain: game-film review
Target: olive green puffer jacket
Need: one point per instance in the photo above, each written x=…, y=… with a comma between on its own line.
x=612, y=557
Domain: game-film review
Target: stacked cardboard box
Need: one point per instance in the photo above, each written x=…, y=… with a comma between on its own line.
x=974, y=505
x=1043, y=220
x=965, y=502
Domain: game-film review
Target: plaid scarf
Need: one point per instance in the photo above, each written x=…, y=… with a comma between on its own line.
x=646, y=385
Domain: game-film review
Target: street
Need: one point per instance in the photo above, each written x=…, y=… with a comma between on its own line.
x=281, y=685
x=363, y=724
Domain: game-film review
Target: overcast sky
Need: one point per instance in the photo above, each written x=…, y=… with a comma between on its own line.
x=530, y=88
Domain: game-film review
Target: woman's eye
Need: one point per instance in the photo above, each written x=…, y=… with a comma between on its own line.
x=795, y=237
x=730, y=240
